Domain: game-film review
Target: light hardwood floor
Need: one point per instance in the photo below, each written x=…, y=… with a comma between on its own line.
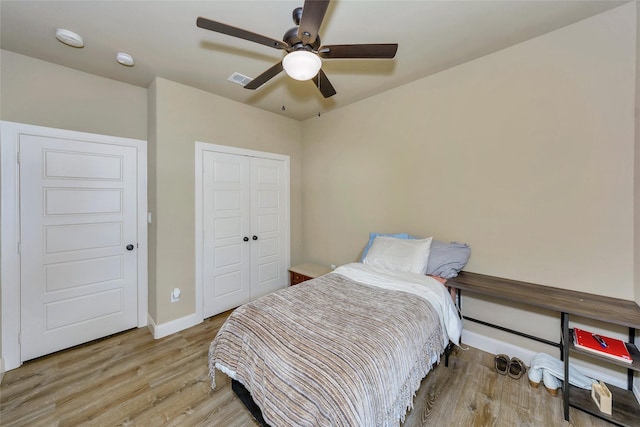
x=130, y=379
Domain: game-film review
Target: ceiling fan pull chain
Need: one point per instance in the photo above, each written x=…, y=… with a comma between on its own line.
x=283, y=106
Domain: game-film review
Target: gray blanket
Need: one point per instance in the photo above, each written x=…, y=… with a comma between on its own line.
x=330, y=352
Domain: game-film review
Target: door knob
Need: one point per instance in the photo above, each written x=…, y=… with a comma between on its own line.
x=129, y=247
x=255, y=237
x=246, y=239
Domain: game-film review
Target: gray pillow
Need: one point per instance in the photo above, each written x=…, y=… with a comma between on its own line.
x=447, y=259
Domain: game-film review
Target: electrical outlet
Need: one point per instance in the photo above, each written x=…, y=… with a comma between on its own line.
x=333, y=266
x=175, y=295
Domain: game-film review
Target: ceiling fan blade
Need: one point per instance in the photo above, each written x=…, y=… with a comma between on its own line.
x=323, y=84
x=380, y=50
x=219, y=27
x=312, y=15
x=264, y=77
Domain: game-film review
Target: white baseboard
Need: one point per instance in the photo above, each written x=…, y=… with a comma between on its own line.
x=165, y=329
x=494, y=346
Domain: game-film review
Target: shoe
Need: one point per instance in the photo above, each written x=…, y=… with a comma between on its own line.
x=535, y=372
x=502, y=364
x=550, y=370
x=551, y=383
x=552, y=391
x=517, y=368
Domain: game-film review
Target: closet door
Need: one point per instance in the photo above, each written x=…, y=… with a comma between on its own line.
x=268, y=225
x=227, y=228
x=245, y=228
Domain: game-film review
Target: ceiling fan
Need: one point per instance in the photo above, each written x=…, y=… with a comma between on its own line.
x=302, y=44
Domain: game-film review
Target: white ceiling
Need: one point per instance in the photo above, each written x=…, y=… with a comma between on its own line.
x=163, y=39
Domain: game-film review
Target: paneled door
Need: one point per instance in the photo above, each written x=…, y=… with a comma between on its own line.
x=268, y=226
x=78, y=242
x=227, y=232
x=244, y=248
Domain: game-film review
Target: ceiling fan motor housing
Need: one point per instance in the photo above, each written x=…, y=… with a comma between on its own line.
x=291, y=38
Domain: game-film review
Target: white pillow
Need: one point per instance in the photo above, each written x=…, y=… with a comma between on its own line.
x=399, y=254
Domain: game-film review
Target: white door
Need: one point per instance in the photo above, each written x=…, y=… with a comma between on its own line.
x=78, y=238
x=268, y=225
x=227, y=228
x=245, y=248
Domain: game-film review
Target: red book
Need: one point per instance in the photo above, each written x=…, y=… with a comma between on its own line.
x=599, y=344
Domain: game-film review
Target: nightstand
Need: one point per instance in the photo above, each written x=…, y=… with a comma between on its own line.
x=303, y=272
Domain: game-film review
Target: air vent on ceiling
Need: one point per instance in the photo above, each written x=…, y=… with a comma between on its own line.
x=239, y=79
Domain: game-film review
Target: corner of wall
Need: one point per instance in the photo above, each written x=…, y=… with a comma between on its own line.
x=1, y=369
x=636, y=169
x=165, y=329
x=636, y=188
x=151, y=197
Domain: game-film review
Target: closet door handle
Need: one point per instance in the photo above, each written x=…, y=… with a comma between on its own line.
x=255, y=237
x=245, y=238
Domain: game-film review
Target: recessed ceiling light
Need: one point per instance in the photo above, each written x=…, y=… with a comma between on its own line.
x=69, y=38
x=125, y=59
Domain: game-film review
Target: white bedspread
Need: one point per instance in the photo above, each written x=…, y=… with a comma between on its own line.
x=417, y=284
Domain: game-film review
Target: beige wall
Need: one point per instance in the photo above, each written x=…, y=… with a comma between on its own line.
x=45, y=94
x=526, y=154
x=184, y=115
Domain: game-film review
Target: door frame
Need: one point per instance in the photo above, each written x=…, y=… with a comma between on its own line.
x=10, y=226
x=200, y=148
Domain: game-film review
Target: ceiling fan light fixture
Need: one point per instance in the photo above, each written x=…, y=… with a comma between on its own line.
x=301, y=65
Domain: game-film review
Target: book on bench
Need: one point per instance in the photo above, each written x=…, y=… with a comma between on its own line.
x=599, y=344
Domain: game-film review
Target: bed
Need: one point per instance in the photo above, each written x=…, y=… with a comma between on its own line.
x=349, y=348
